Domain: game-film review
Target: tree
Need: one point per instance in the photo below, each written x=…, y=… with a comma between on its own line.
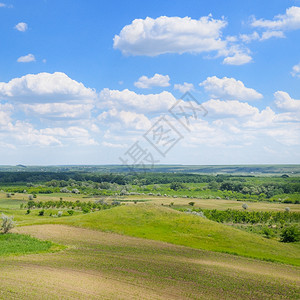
x=177, y=186
x=191, y=203
x=7, y=223
x=245, y=206
x=290, y=234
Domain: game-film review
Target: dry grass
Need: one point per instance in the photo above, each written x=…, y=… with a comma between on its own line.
x=220, y=204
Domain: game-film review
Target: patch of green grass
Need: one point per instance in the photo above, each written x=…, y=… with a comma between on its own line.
x=164, y=224
x=12, y=243
x=11, y=203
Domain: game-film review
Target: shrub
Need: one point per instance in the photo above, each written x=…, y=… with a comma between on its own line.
x=177, y=186
x=65, y=190
x=30, y=204
x=267, y=232
x=41, y=212
x=191, y=203
x=245, y=206
x=7, y=223
x=71, y=212
x=28, y=212
x=290, y=234
x=85, y=210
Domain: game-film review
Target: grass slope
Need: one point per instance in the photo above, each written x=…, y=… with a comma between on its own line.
x=12, y=243
x=163, y=224
x=102, y=265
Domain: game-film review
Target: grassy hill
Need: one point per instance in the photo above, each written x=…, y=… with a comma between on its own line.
x=164, y=224
x=102, y=265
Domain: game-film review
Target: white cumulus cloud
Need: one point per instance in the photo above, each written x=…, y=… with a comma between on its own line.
x=21, y=26
x=237, y=59
x=128, y=100
x=229, y=108
x=247, y=38
x=145, y=82
x=284, y=101
x=269, y=34
x=153, y=37
x=183, y=88
x=229, y=88
x=125, y=119
x=58, y=110
x=296, y=70
x=26, y=58
x=288, y=21
x=45, y=87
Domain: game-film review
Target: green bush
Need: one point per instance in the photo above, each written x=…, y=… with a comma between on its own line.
x=177, y=186
x=290, y=234
x=85, y=210
x=41, y=212
x=267, y=232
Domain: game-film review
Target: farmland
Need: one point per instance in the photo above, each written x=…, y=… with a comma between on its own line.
x=149, y=236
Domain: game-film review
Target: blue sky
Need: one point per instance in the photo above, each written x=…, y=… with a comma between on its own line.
x=82, y=81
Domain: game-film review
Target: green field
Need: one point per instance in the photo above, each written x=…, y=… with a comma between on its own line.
x=12, y=244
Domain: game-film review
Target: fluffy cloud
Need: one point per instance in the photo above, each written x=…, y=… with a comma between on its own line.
x=73, y=134
x=5, y=114
x=296, y=70
x=262, y=119
x=22, y=133
x=128, y=100
x=285, y=102
x=26, y=59
x=125, y=119
x=217, y=108
x=269, y=34
x=45, y=87
x=58, y=110
x=288, y=21
x=183, y=88
x=153, y=37
x=229, y=88
x=235, y=54
x=157, y=80
x=21, y=26
x=238, y=59
x=247, y=38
